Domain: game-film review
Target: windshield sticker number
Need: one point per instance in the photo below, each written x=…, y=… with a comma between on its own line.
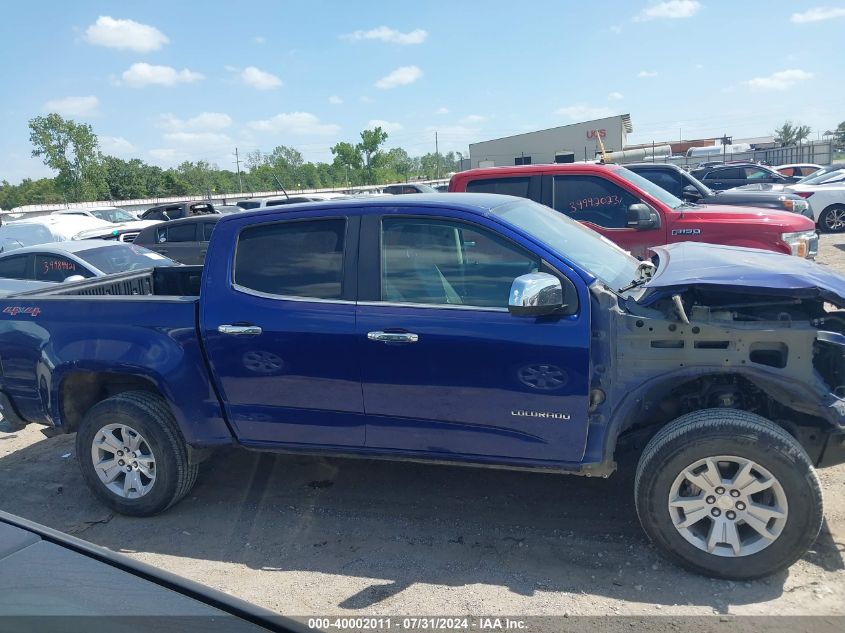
x=57, y=264
x=592, y=203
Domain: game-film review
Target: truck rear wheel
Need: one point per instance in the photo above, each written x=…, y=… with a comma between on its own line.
x=728, y=494
x=132, y=454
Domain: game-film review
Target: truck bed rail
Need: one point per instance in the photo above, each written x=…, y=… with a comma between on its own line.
x=168, y=280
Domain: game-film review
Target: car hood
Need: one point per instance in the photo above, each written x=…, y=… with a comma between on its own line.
x=688, y=265
x=775, y=218
x=114, y=229
x=762, y=186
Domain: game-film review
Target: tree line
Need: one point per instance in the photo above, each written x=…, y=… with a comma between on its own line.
x=84, y=173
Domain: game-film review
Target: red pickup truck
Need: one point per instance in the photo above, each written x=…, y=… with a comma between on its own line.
x=637, y=214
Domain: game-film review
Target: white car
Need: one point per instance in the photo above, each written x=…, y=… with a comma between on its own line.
x=46, y=229
x=74, y=261
x=275, y=201
x=826, y=195
x=801, y=170
x=124, y=226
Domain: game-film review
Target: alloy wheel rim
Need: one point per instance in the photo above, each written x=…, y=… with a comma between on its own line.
x=123, y=460
x=835, y=219
x=728, y=506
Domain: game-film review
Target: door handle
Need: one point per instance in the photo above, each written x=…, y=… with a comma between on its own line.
x=393, y=337
x=239, y=330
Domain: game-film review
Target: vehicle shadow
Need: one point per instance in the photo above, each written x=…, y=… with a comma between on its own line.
x=397, y=522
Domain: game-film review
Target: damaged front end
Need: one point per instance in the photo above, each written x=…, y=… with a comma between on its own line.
x=725, y=327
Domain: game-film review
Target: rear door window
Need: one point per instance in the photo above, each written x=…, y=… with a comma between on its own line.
x=182, y=232
x=15, y=267
x=518, y=186
x=726, y=173
x=292, y=259
x=592, y=199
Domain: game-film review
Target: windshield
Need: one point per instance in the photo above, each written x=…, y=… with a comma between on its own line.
x=824, y=177
x=572, y=240
x=120, y=258
x=113, y=215
x=14, y=235
x=655, y=191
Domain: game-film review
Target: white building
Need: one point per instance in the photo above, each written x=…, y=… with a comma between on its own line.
x=567, y=143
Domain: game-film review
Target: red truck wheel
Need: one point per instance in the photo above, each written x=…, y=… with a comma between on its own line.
x=727, y=493
x=132, y=455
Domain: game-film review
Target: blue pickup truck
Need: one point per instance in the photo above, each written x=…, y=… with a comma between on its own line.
x=467, y=329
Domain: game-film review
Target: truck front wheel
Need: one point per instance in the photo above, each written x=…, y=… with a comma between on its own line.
x=132, y=455
x=728, y=494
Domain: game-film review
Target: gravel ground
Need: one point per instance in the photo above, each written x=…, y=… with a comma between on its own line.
x=313, y=536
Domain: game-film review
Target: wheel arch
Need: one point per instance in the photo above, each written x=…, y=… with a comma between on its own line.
x=642, y=409
x=80, y=389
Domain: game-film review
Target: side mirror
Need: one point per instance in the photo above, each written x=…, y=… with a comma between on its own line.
x=535, y=294
x=642, y=217
x=73, y=278
x=691, y=194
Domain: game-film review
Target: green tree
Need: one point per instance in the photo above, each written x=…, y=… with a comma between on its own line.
x=72, y=150
x=839, y=134
x=790, y=133
x=369, y=148
x=347, y=157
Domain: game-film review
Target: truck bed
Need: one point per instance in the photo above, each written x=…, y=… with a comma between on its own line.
x=179, y=281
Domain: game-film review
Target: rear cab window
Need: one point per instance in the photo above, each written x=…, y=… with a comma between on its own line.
x=295, y=258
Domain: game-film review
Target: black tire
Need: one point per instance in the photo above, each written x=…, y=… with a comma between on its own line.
x=713, y=432
x=150, y=416
x=825, y=218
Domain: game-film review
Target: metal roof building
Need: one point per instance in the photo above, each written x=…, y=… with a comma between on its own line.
x=566, y=143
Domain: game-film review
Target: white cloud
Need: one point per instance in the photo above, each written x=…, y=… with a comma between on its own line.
x=387, y=34
x=402, y=76
x=582, y=112
x=166, y=154
x=671, y=9
x=260, y=79
x=259, y=39
x=616, y=29
x=473, y=118
x=441, y=111
x=781, y=80
x=204, y=140
x=647, y=74
x=204, y=121
x=117, y=146
x=125, y=34
x=335, y=100
x=615, y=96
x=143, y=74
x=818, y=14
x=74, y=106
x=387, y=126
x=366, y=99
x=303, y=123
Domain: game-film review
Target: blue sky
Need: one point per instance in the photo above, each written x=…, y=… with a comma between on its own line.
x=169, y=81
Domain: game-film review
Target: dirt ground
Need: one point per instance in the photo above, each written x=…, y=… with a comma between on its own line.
x=313, y=536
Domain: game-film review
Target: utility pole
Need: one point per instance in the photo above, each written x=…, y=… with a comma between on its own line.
x=437, y=152
x=238, y=163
